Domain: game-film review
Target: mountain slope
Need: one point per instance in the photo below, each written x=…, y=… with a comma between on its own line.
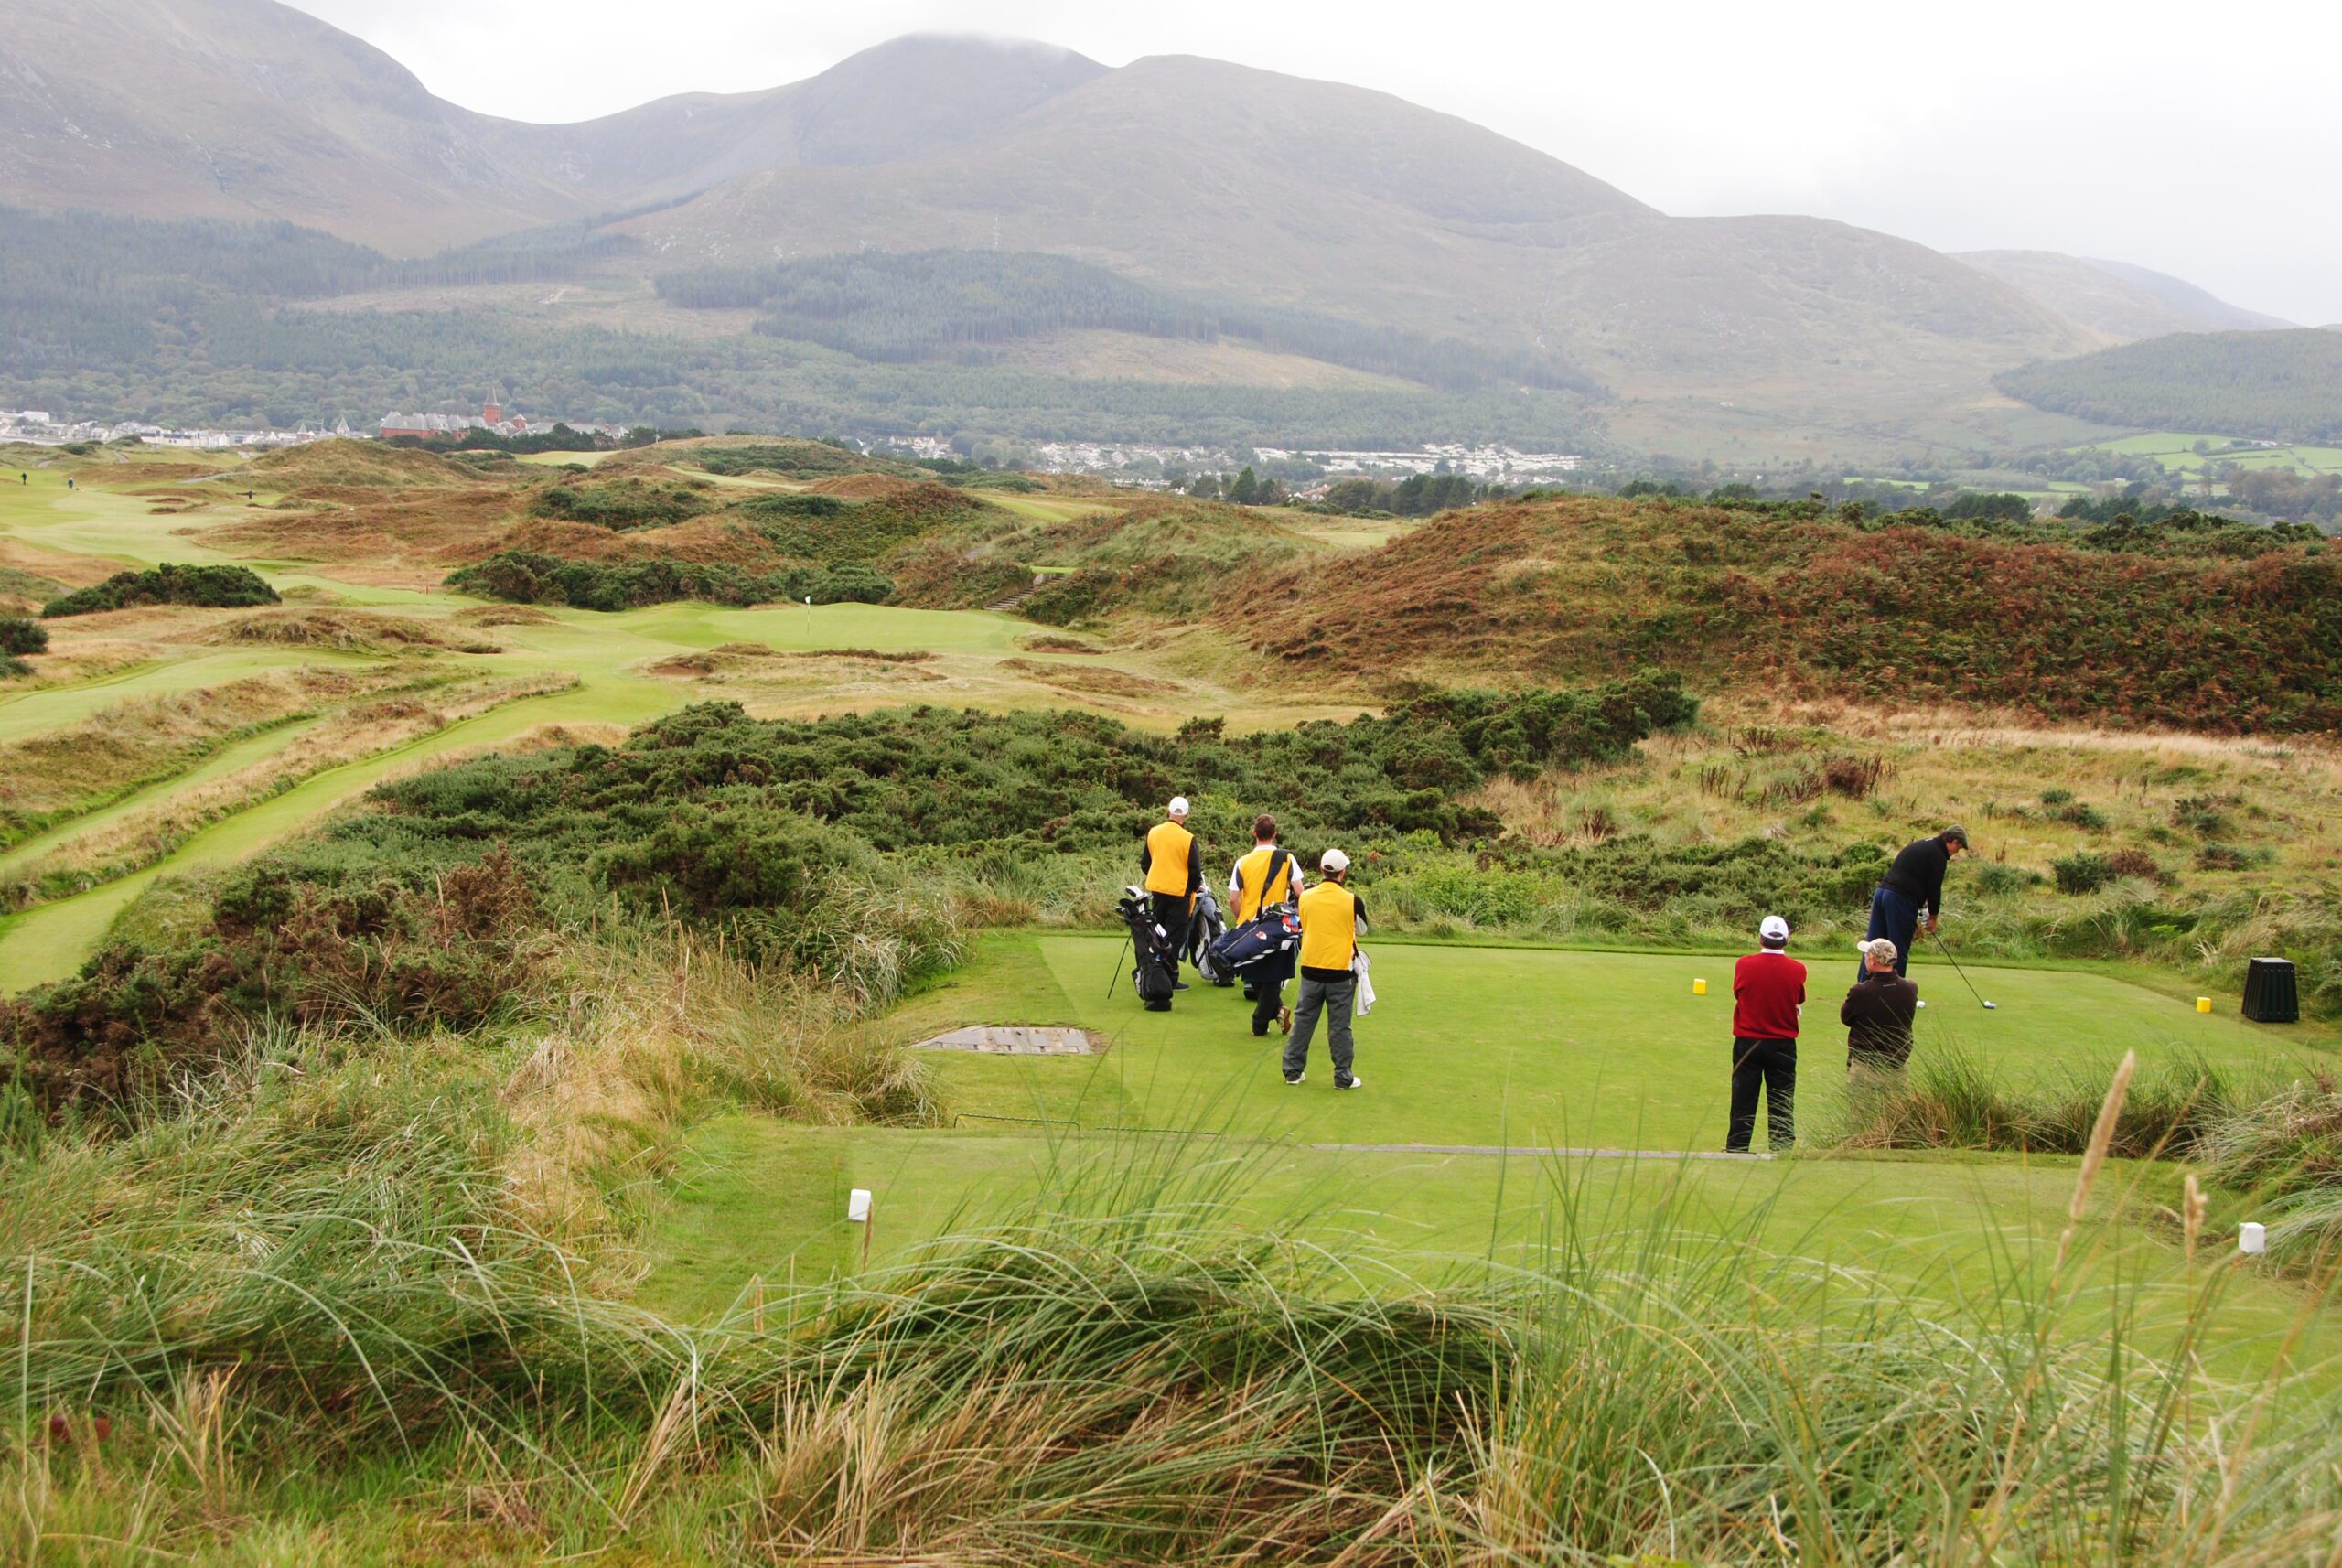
x=1228, y=184
x=248, y=109
x=2281, y=386
x=1220, y=179
x=2123, y=301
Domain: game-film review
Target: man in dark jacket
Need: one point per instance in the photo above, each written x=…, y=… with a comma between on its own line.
x=1877, y=1014
x=1914, y=882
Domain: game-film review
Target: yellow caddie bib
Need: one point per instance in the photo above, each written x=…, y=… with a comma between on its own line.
x=1167, y=848
x=1328, y=927
x=1255, y=897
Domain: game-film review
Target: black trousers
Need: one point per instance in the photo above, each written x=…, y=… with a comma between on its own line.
x=1773, y=1064
x=1171, y=912
x=1267, y=979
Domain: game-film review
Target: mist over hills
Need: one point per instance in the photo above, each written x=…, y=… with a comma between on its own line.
x=1215, y=181
x=2123, y=301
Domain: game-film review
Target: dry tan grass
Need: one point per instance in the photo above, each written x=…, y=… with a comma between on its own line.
x=145, y=738
x=362, y=729
x=1090, y=679
x=359, y=631
x=645, y=1028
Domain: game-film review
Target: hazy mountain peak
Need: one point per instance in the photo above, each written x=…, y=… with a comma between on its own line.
x=2116, y=298
x=924, y=90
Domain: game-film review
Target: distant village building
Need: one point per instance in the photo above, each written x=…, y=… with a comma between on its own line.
x=490, y=417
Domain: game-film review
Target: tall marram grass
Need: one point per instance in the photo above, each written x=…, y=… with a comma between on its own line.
x=2285, y=1154
x=315, y=1322
x=1951, y=1100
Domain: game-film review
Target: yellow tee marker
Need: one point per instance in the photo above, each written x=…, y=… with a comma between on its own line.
x=2203, y=1004
x=1699, y=988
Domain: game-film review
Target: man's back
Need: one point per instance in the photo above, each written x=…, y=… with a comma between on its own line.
x=1767, y=988
x=1877, y=1012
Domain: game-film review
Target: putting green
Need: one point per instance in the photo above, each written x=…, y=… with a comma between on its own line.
x=1518, y=1046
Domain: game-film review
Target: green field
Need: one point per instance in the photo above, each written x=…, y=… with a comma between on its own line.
x=2176, y=451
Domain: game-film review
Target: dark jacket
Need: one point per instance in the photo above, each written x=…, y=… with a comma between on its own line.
x=1918, y=873
x=1877, y=1014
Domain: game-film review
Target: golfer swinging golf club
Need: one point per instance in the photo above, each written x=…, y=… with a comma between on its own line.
x=1332, y=920
x=1173, y=863
x=1914, y=882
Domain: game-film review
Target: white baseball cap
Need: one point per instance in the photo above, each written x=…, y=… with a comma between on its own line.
x=1333, y=860
x=1774, y=929
x=1178, y=806
x=1879, y=948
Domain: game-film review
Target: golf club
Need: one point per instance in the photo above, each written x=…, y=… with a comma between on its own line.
x=1117, y=975
x=1944, y=948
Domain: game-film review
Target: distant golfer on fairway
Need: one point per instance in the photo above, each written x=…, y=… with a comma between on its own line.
x=1877, y=1014
x=1173, y=863
x=1332, y=920
x=1263, y=879
x=1768, y=988
x=1914, y=882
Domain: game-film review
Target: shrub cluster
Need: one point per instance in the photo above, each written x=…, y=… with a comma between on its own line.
x=19, y=637
x=391, y=944
x=822, y=527
x=1580, y=584
x=167, y=584
x=528, y=578
x=622, y=503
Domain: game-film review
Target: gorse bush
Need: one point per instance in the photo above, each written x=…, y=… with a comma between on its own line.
x=20, y=636
x=527, y=577
x=622, y=503
x=391, y=949
x=820, y=528
x=167, y=584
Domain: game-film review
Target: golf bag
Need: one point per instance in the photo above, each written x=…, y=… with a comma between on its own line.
x=1274, y=932
x=1203, y=931
x=1155, y=949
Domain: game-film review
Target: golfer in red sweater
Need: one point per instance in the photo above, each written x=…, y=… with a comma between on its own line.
x=1768, y=988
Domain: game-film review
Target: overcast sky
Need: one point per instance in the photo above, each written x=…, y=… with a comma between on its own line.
x=2204, y=140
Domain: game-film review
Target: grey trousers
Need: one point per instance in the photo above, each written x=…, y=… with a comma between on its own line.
x=1333, y=998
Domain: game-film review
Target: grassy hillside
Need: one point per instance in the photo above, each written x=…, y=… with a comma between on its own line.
x=2284, y=386
x=1769, y=598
